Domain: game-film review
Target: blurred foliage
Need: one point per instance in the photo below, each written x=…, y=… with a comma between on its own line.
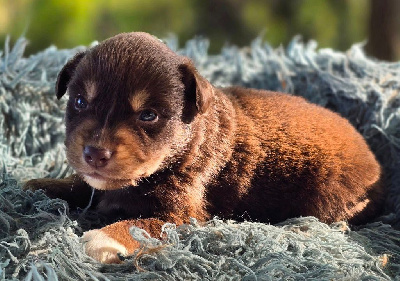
x=68, y=23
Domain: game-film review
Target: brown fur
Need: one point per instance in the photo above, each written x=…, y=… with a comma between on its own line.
x=229, y=152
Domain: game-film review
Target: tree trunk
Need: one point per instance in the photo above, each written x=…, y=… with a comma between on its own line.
x=384, y=38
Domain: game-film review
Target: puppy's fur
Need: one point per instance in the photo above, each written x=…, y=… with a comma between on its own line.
x=207, y=152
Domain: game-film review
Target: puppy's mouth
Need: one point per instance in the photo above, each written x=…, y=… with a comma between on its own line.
x=96, y=176
x=102, y=182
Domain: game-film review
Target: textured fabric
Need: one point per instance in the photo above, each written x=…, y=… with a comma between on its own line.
x=39, y=237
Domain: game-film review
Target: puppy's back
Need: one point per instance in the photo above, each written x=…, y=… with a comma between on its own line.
x=301, y=154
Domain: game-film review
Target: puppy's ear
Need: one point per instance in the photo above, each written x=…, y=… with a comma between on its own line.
x=66, y=73
x=198, y=91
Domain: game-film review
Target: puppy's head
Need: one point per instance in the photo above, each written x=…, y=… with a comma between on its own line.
x=132, y=103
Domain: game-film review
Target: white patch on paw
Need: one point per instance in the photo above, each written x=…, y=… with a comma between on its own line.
x=102, y=247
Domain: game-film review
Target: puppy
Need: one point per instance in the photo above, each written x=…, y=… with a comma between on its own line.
x=163, y=145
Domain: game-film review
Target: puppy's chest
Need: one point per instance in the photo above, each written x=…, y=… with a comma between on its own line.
x=127, y=203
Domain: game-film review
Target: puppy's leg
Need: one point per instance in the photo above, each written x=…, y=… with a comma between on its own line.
x=104, y=244
x=370, y=206
x=71, y=189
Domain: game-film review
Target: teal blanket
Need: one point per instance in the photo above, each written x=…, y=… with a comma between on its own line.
x=39, y=237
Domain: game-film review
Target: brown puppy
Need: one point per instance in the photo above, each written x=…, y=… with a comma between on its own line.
x=165, y=145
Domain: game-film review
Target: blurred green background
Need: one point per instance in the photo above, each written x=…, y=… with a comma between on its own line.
x=333, y=23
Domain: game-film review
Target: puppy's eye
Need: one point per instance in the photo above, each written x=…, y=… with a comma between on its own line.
x=148, y=116
x=80, y=102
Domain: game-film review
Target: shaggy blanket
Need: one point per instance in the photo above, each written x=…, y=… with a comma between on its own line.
x=39, y=237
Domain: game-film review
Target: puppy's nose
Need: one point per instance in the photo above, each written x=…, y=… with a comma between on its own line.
x=96, y=157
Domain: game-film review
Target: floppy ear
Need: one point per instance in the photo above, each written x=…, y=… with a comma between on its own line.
x=66, y=73
x=198, y=91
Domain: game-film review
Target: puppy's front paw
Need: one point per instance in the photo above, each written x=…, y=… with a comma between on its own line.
x=71, y=189
x=36, y=184
x=105, y=244
x=103, y=248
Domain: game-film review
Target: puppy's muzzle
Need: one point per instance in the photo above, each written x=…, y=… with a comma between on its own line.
x=96, y=157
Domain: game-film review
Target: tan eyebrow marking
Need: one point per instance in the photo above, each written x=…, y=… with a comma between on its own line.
x=91, y=90
x=138, y=100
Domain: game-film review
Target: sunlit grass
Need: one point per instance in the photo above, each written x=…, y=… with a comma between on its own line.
x=68, y=23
